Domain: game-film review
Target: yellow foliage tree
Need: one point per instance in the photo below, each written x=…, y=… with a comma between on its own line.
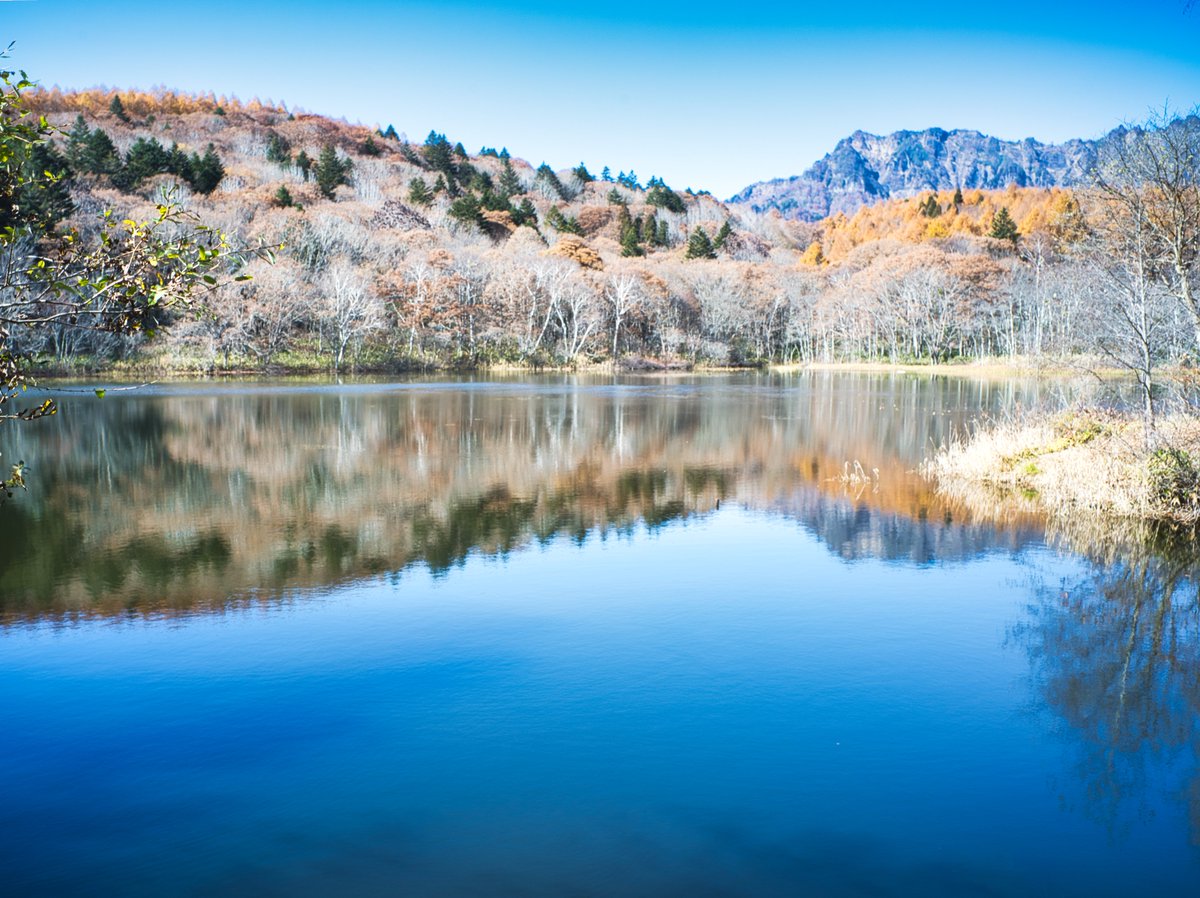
x=812, y=257
x=937, y=228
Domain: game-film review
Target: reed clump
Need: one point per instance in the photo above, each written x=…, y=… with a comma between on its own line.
x=1081, y=462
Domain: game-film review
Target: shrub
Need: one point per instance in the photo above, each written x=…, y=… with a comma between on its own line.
x=1078, y=428
x=1174, y=479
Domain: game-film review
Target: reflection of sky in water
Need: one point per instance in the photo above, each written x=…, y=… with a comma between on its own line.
x=719, y=706
x=740, y=701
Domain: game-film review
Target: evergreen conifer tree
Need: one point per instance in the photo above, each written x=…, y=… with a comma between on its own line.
x=369, y=147
x=100, y=154
x=958, y=197
x=464, y=172
x=331, y=171
x=1003, y=227
x=117, y=108
x=510, y=184
x=547, y=177
x=466, y=209
x=480, y=181
x=145, y=159
x=659, y=194
x=283, y=197
x=526, y=214
x=563, y=223
x=390, y=133
x=664, y=234
x=304, y=163
x=77, y=141
x=44, y=196
x=438, y=154
x=650, y=230
x=419, y=192
x=606, y=174
x=410, y=155
x=629, y=243
x=178, y=163
x=628, y=233
x=699, y=245
x=624, y=219
x=207, y=171
x=494, y=202
x=722, y=235
x=581, y=172
x=278, y=149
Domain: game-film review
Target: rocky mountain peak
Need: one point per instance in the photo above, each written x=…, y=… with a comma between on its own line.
x=865, y=168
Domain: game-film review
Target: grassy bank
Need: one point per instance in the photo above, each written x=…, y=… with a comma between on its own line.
x=1076, y=464
x=175, y=361
x=303, y=361
x=992, y=367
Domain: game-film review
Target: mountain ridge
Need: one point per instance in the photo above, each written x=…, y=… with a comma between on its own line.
x=865, y=168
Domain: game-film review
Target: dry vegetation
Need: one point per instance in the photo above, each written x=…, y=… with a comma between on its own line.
x=1075, y=465
x=373, y=278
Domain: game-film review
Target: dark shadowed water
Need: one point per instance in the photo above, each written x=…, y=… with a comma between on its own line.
x=575, y=637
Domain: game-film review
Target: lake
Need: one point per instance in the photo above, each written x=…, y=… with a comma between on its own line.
x=576, y=636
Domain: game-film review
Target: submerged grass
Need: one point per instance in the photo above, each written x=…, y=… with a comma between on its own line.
x=1077, y=463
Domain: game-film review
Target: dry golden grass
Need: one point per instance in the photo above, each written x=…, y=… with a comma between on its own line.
x=1073, y=465
x=987, y=368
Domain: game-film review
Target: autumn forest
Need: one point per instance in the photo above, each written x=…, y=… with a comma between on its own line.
x=395, y=254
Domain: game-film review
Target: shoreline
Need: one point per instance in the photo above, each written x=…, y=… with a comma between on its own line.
x=179, y=369
x=1074, y=465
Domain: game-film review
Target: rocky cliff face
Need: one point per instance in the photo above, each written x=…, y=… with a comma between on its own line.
x=865, y=168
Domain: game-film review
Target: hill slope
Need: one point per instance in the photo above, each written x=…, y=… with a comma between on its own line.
x=399, y=256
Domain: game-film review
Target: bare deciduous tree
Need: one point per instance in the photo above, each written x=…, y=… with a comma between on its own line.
x=623, y=294
x=347, y=311
x=1150, y=177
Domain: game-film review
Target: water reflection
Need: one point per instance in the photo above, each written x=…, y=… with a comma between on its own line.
x=1116, y=657
x=190, y=498
x=729, y=688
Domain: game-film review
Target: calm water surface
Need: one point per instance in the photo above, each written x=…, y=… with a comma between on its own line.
x=575, y=637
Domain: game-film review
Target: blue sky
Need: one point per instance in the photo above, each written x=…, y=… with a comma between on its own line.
x=703, y=94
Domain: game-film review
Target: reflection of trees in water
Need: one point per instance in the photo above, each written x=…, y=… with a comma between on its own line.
x=176, y=501
x=854, y=529
x=1117, y=657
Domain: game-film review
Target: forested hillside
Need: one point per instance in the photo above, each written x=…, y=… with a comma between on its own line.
x=399, y=254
